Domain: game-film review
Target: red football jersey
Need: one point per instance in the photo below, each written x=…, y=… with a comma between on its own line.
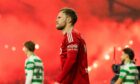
x=73, y=60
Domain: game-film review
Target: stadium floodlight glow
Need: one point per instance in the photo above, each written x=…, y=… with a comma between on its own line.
x=37, y=46
x=131, y=42
x=119, y=48
x=107, y=57
x=95, y=65
x=13, y=48
x=6, y=46
x=126, y=46
x=89, y=69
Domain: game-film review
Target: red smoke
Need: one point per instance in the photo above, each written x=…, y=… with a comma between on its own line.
x=22, y=20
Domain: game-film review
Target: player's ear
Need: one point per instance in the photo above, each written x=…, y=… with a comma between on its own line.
x=68, y=19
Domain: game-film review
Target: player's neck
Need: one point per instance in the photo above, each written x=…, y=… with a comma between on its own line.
x=67, y=29
x=30, y=54
x=127, y=61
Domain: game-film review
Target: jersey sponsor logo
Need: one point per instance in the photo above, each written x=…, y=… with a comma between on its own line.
x=72, y=47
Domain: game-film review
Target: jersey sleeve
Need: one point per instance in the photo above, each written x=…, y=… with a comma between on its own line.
x=29, y=71
x=72, y=50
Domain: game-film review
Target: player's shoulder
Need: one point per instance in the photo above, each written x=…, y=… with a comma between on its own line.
x=37, y=59
x=72, y=36
x=31, y=59
x=125, y=67
x=132, y=66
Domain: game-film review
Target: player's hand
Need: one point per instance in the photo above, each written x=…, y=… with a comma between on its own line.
x=56, y=83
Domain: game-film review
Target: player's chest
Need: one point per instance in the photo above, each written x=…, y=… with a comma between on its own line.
x=63, y=47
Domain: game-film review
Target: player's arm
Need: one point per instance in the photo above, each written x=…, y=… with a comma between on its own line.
x=29, y=68
x=72, y=50
x=122, y=75
x=119, y=81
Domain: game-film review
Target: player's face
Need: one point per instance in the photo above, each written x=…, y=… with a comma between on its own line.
x=25, y=50
x=124, y=56
x=61, y=21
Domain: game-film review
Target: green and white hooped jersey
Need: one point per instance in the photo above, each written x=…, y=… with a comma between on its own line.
x=129, y=73
x=34, y=70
